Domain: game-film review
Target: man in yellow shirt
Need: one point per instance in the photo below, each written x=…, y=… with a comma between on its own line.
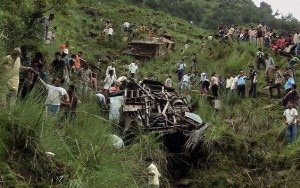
x=12, y=66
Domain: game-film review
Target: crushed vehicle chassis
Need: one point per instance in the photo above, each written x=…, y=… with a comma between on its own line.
x=151, y=106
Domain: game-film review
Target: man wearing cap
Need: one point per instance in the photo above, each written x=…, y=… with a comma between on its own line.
x=12, y=67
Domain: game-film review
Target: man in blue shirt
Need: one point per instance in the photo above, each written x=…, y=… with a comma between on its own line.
x=289, y=82
x=241, y=84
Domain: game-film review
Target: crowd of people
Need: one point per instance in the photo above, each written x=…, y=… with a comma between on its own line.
x=264, y=37
x=274, y=77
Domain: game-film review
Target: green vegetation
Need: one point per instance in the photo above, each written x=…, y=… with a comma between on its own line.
x=210, y=13
x=244, y=146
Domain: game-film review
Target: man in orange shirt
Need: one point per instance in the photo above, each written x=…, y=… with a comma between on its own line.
x=78, y=60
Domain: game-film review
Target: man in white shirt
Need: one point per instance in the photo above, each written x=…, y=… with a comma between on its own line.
x=290, y=118
x=229, y=80
x=185, y=81
x=56, y=95
x=133, y=67
x=109, y=80
x=111, y=67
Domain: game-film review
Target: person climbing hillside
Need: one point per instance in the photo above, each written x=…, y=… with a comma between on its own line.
x=180, y=69
x=270, y=65
x=58, y=66
x=292, y=96
x=260, y=59
x=277, y=83
x=69, y=108
x=112, y=66
x=194, y=64
x=46, y=25
x=133, y=68
x=292, y=63
x=259, y=37
x=204, y=83
x=214, y=85
x=84, y=79
x=185, y=83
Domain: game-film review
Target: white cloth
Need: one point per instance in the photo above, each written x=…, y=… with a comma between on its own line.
x=290, y=115
x=54, y=94
x=154, y=174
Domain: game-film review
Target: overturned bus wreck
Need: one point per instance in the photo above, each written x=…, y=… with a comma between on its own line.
x=154, y=46
x=149, y=106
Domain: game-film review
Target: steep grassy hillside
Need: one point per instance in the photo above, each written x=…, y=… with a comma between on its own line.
x=244, y=146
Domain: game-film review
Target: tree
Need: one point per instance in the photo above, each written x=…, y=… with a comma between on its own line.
x=24, y=25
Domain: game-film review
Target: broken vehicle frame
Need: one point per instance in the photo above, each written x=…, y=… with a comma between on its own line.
x=151, y=106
